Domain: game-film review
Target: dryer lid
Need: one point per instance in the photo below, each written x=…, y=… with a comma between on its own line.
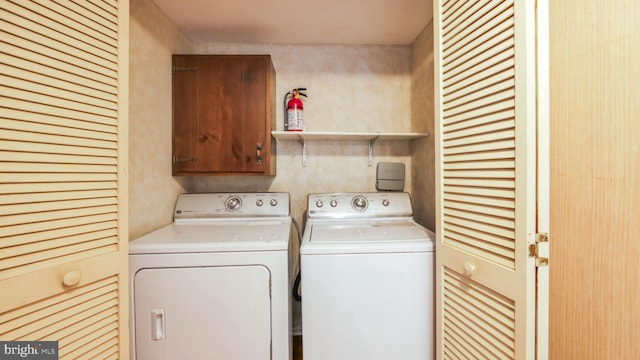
x=367, y=237
x=215, y=237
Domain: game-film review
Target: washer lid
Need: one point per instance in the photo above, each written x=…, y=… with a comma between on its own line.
x=367, y=237
x=215, y=237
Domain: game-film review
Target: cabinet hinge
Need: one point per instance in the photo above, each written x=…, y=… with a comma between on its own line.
x=179, y=69
x=181, y=159
x=540, y=249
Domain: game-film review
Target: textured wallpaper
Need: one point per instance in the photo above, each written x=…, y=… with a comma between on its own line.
x=422, y=112
x=152, y=189
x=350, y=88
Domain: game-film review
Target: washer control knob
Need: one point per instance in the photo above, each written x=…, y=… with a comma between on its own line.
x=258, y=202
x=333, y=203
x=319, y=203
x=385, y=202
x=359, y=203
x=233, y=203
x=273, y=202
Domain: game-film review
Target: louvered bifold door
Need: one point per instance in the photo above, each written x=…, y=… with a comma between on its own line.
x=485, y=151
x=63, y=127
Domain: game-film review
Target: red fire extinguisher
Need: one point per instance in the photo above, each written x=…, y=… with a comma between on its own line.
x=294, y=110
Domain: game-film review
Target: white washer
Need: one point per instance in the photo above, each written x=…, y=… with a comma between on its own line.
x=215, y=283
x=367, y=279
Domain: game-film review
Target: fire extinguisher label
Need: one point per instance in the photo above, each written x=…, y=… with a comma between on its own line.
x=295, y=120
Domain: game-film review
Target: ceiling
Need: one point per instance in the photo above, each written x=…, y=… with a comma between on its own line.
x=301, y=22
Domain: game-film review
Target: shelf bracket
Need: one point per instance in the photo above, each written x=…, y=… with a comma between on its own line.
x=304, y=153
x=371, y=141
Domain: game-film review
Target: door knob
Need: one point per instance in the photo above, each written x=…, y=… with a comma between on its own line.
x=71, y=278
x=468, y=268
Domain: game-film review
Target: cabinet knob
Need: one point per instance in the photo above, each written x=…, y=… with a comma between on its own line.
x=259, y=153
x=71, y=278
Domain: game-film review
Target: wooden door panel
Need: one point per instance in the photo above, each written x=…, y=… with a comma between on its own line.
x=219, y=114
x=255, y=71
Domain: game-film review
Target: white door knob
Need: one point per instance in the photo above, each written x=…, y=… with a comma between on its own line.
x=469, y=268
x=71, y=278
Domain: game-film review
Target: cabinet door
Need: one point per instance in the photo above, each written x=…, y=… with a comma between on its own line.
x=222, y=114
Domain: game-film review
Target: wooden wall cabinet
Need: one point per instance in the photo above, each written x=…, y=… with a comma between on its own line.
x=223, y=114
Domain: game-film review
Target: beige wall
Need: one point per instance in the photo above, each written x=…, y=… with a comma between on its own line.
x=351, y=88
x=595, y=180
x=422, y=112
x=152, y=190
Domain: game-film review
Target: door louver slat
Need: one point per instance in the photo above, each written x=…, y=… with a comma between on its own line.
x=30, y=223
x=23, y=312
x=45, y=197
x=35, y=58
x=494, y=193
x=17, y=189
x=477, y=127
x=35, y=139
x=69, y=37
x=58, y=130
x=53, y=101
x=98, y=155
x=106, y=237
x=488, y=111
x=62, y=126
x=71, y=312
x=55, y=110
x=44, y=158
x=18, y=177
x=47, y=46
x=498, y=341
x=499, y=154
x=54, y=89
x=479, y=208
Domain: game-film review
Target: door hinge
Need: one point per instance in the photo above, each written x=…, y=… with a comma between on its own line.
x=540, y=250
x=179, y=69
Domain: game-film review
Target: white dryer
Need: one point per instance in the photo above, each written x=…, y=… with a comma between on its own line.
x=216, y=282
x=367, y=279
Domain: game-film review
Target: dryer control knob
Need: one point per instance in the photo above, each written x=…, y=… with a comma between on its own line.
x=319, y=203
x=333, y=203
x=273, y=202
x=359, y=203
x=385, y=202
x=258, y=202
x=233, y=203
